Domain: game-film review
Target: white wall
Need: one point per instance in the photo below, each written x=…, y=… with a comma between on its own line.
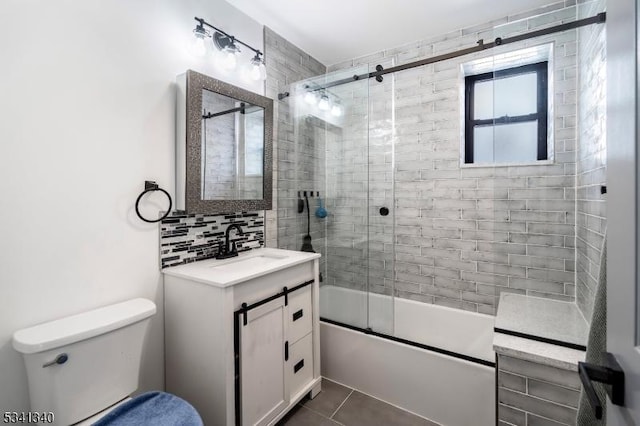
x=86, y=115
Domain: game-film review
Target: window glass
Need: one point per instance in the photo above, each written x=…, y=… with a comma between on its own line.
x=483, y=144
x=483, y=100
x=516, y=95
x=508, y=143
x=512, y=96
x=506, y=115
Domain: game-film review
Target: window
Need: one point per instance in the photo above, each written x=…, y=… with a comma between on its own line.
x=506, y=115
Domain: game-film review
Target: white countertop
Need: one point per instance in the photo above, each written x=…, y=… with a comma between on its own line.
x=248, y=265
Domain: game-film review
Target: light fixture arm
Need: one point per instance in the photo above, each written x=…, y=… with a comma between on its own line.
x=202, y=22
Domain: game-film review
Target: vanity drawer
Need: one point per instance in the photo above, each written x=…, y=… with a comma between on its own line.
x=300, y=365
x=299, y=313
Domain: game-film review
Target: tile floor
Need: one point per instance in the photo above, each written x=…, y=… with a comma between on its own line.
x=340, y=405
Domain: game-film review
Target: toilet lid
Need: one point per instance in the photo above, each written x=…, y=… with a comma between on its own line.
x=152, y=408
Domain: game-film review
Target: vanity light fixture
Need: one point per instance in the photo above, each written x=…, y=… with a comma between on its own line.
x=226, y=50
x=324, y=100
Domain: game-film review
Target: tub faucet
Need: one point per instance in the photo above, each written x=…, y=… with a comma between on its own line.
x=229, y=250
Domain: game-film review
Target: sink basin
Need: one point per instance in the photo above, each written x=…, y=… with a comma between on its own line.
x=248, y=261
x=248, y=265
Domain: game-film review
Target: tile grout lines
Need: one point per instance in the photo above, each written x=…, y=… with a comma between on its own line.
x=320, y=414
x=340, y=406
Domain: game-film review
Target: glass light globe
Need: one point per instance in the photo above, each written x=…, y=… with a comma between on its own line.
x=261, y=71
x=198, y=46
x=310, y=98
x=323, y=105
x=229, y=60
x=255, y=70
x=218, y=58
x=336, y=110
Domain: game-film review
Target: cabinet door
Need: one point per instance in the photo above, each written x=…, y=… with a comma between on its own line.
x=264, y=388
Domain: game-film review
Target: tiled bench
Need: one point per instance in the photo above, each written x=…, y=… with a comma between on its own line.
x=538, y=381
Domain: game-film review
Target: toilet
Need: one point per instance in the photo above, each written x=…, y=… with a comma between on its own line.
x=83, y=368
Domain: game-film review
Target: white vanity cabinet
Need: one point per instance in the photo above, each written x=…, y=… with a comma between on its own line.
x=242, y=335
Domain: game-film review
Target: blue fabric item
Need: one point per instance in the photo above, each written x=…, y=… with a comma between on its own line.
x=152, y=408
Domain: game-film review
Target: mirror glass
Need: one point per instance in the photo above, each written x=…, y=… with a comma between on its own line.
x=232, y=148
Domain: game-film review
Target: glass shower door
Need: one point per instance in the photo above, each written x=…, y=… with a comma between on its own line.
x=381, y=203
x=346, y=158
x=347, y=188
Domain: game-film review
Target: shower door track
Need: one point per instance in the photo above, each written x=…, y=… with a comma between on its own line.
x=541, y=339
x=600, y=18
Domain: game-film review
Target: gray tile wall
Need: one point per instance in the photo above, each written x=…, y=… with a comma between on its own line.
x=296, y=147
x=460, y=236
x=591, y=162
x=531, y=394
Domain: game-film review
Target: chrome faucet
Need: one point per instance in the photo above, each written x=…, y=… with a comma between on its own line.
x=229, y=250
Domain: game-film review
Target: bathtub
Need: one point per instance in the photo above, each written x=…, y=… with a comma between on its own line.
x=438, y=363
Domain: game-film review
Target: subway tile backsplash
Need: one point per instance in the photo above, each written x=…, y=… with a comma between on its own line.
x=188, y=238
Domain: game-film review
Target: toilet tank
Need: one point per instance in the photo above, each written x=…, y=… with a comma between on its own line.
x=103, y=348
